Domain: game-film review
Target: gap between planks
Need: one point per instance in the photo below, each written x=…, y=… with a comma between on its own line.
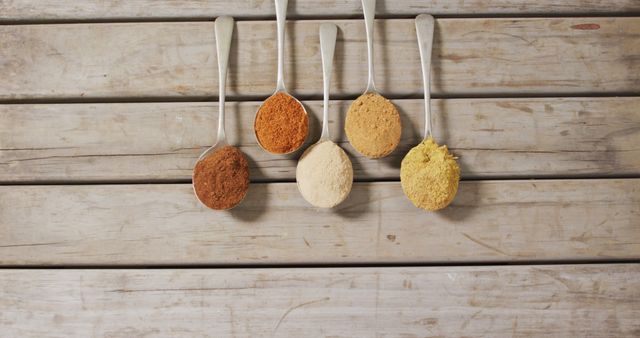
x=358, y=180
x=240, y=18
x=581, y=262
x=316, y=97
x=99, y=11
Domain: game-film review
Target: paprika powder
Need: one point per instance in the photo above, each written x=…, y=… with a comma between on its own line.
x=281, y=124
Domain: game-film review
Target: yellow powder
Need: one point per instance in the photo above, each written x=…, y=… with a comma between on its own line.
x=429, y=175
x=373, y=125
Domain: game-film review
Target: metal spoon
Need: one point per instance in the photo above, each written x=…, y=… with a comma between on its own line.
x=281, y=17
x=389, y=127
x=431, y=183
x=369, y=9
x=328, y=34
x=425, y=25
x=224, y=32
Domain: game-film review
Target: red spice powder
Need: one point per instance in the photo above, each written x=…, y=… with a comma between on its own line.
x=221, y=180
x=281, y=124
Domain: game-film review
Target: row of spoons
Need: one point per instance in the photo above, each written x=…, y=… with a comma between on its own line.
x=324, y=173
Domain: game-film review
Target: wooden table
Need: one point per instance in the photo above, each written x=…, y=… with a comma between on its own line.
x=105, y=106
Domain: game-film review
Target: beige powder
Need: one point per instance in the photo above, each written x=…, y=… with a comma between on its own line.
x=324, y=175
x=373, y=125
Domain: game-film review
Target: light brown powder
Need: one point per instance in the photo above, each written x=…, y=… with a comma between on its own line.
x=373, y=125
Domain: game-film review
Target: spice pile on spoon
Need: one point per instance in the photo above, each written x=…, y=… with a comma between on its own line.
x=429, y=174
x=281, y=125
x=324, y=173
x=373, y=124
x=221, y=175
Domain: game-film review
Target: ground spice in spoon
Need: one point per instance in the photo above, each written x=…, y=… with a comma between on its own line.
x=324, y=174
x=429, y=175
x=281, y=124
x=373, y=125
x=221, y=180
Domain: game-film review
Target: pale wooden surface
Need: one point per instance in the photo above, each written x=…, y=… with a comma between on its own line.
x=207, y=9
x=161, y=141
x=492, y=301
x=521, y=98
x=176, y=59
x=164, y=224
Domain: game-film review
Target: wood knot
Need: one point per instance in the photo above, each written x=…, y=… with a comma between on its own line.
x=586, y=26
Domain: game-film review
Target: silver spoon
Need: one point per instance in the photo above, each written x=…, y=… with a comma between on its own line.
x=281, y=17
x=369, y=9
x=224, y=32
x=425, y=25
x=430, y=183
x=328, y=33
x=383, y=136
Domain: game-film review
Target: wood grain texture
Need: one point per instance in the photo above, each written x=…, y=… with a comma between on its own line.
x=16, y=10
x=164, y=224
x=176, y=59
x=496, y=301
x=560, y=137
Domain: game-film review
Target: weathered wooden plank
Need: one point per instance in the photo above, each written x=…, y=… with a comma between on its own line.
x=16, y=10
x=164, y=224
x=176, y=59
x=496, y=301
x=565, y=137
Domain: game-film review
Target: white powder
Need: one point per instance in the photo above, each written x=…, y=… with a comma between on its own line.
x=324, y=175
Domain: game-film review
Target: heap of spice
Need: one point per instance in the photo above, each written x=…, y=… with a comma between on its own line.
x=373, y=125
x=324, y=174
x=281, y=124
x=221, y=179
x=429, y=175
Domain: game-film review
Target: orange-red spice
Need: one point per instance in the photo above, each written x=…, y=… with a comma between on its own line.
x=221, y=180
x=281, y=124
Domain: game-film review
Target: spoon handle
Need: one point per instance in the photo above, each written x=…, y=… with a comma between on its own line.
x=281, y=18
x=328, y=33
x=224, y=31
x=369, y=9
x=425, y=25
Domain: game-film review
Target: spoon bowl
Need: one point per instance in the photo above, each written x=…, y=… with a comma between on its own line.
x=255, y=122
x=224, y=32
x=209, y=152
x=281, y=13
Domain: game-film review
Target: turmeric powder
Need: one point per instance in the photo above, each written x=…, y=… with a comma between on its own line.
x=429, y=175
